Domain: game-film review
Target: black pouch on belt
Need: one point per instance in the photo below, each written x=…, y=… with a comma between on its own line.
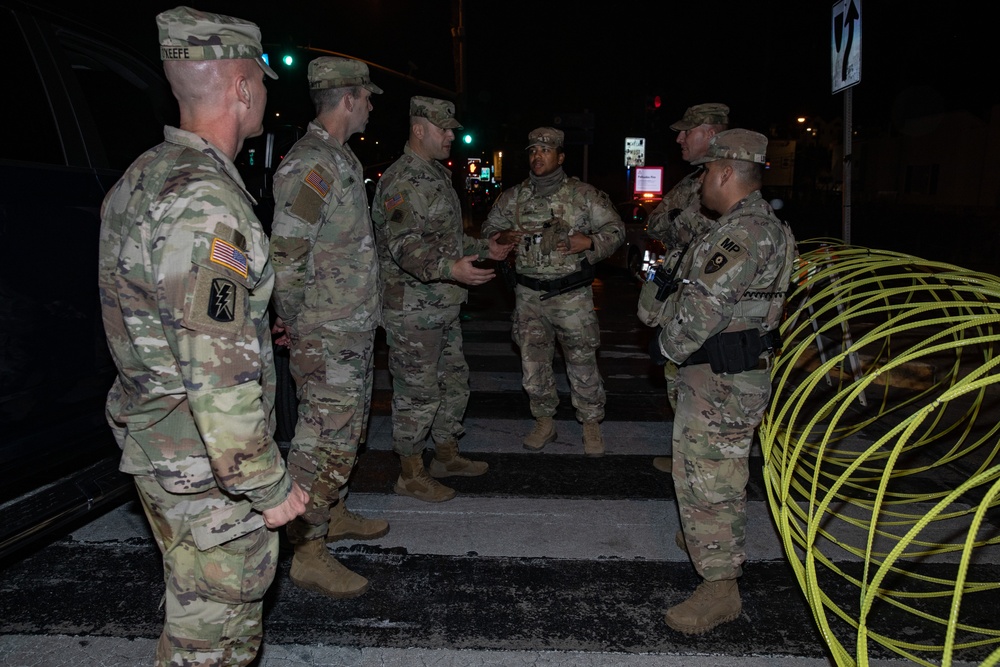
x=734, y=352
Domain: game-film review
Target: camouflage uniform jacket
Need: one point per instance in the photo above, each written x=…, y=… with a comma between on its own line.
x=184, y=282
x=418, y=228
x=735, y=277
x=678, y=218
x=585, y=208
x=322, y=244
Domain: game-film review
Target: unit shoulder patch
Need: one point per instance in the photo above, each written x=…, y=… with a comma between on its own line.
x=218, y=304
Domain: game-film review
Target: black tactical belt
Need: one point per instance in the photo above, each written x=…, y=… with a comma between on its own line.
x=581, y=278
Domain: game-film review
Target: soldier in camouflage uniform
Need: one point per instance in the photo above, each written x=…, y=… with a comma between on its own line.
x=185, y=281
x=719, y=333
x=679, y=217
x=426, y=260
x=563, y=227
x=326, y=296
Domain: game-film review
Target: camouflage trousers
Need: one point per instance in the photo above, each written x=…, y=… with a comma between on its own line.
x=430, y=377
x=333, y=381
x=670, y=370
x=218, y=561
x=714, y=423
x=570, y=319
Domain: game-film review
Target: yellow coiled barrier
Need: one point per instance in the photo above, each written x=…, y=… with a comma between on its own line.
x=881, y=453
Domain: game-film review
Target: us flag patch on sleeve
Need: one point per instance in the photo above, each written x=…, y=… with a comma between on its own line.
x=229, y=256
x=316, y=182
x=393, y=201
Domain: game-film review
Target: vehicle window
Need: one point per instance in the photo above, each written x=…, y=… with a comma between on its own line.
x=128, y=101
x=32, y=136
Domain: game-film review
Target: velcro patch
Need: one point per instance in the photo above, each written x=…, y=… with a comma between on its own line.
x=219, y=304
x=229, y=256
x=317, y=183
x=393, y=201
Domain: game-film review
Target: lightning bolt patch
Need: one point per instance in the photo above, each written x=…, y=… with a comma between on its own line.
x=222, y=300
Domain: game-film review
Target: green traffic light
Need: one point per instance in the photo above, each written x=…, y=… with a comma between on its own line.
x=288, y=60
x=467, y=138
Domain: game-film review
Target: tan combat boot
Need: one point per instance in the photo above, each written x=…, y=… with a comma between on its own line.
x=314, y=569
x=346, y=525
x=415, y=482
x=543, y=433
x=713, y=603
x=593, y=443
x=663, y=464
x=447, y=462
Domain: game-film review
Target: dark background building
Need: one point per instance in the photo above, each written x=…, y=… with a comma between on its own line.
x=922, y=116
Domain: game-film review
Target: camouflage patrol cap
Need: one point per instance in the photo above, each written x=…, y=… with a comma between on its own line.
x=546, y=136
x=439, y=112
x=189, y=34
x=711, y=113
x=737, y=144
x=334, y=72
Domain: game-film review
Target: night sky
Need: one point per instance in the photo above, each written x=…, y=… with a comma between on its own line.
x=527, y=62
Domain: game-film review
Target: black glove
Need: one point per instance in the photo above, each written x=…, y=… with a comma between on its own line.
x=655, y=354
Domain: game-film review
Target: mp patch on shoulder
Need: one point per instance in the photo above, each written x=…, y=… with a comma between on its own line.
x=727, y=250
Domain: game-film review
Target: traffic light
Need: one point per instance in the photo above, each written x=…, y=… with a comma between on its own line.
x=287, y=58
x=467, y=139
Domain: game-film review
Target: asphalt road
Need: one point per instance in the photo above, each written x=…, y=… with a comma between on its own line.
x=549, y=559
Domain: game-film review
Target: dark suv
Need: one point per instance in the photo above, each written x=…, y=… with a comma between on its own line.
x=78, y=108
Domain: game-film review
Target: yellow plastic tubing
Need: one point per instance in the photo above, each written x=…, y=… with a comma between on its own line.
x=881, y=454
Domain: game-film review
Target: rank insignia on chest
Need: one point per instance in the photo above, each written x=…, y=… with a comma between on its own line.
x=393, y=201
x=222, y=300
x=317, y=183
x=229, y=256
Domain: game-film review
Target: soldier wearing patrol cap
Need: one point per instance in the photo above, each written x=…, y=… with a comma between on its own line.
x=427, y=261
x=326, y=297
x=563, y=227
x=679, y=217
x=185, y=281
x=719, y=337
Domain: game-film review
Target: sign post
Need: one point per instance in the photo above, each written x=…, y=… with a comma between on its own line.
x=845, y=64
